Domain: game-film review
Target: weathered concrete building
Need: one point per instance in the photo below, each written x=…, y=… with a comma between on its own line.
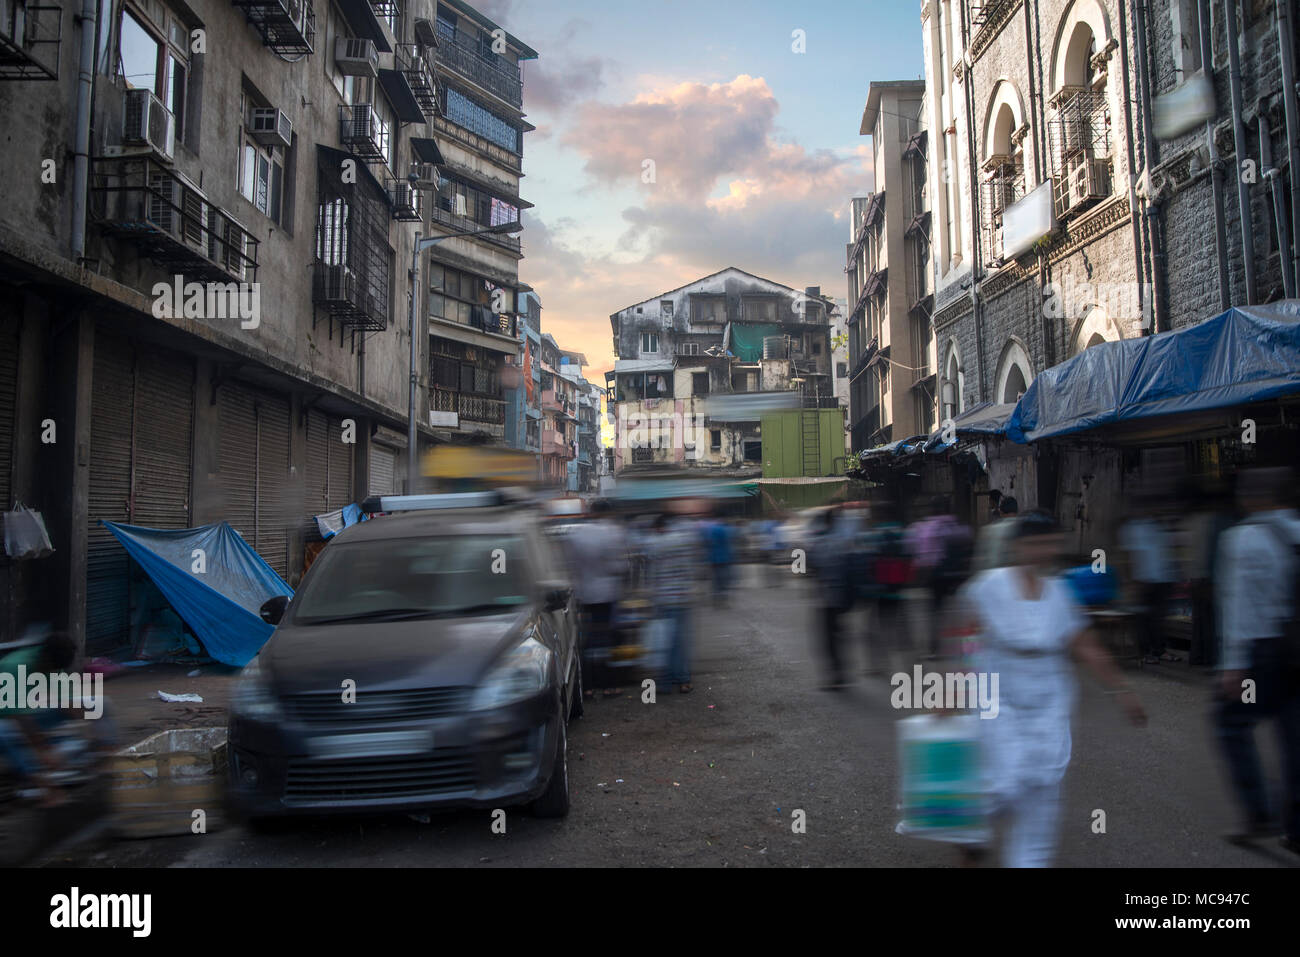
x=892, y=391
x=1099, y=170
x=698, y=365
x=204, y=268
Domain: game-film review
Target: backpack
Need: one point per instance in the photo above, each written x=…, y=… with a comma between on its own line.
x=892, y=563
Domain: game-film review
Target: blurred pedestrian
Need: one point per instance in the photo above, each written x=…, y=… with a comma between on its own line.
x=992, y=550
x=720, y=545
x=1205, y=519
x=889, y=576
x=830, y=561
x=1256, y=577
x=1028, y=626
x=1149, y=546
x=941, y=553
x=598, y=556
x=673, y=568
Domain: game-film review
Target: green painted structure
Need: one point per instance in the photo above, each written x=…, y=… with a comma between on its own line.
x=803, y=443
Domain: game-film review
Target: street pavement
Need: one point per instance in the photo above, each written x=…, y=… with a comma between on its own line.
x=714, y=778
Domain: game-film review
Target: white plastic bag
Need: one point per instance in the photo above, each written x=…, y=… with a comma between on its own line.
x=25, y=534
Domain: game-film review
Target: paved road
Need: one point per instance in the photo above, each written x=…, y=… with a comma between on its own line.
x=712, y=778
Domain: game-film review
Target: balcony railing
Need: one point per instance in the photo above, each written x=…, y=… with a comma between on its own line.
x=364, y=132
x=550, y=401
x=287, y=26
x=554, y=443
x=465, y=58
x=170, y=220
x=417, y=64
x=30, y=40
x=470, y=408
x=465, y=224
x=349, y=299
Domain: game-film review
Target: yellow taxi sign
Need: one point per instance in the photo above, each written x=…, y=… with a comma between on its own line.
x=480, y=463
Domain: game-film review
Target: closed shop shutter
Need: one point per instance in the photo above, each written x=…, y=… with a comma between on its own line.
x=107, y=565
x=382, y=464
x=276, y=513
x=8, y=395
x=316, y=479
x=237, y=458
x=164, y=425
x=339, y=473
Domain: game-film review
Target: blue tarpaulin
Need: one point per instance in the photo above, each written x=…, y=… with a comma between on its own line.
x=1247, y=354
x=220, y=603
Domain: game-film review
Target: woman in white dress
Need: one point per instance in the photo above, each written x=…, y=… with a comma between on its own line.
x=1028, y=626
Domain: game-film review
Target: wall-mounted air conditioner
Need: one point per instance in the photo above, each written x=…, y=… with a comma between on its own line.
x=336, y=283
x=356, y=57
x=163, y=202
x=146, y=122
x=271, y=127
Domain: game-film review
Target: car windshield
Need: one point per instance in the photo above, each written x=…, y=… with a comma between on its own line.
x=412, y=578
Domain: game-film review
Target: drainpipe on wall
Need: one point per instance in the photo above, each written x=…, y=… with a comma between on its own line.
x=1286, y=48
x=977, y=308
x=81, y=150
x=1239, y=146
x=1216, y=164
x=1154, y=214
x=1134, y=222
x=1274, y=178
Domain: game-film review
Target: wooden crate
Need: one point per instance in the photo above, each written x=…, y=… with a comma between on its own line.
x=159, y=782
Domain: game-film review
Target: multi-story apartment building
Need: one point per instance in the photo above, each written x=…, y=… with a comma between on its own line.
x=559, y=420
x=890, y=342
x=588, y=460
x=523, y=405
x=205, y=283
x=698, y=365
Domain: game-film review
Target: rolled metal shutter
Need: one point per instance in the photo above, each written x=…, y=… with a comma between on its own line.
x=339, y=471
x=383, y=462
x=237, y=458
x=8, y=397
x=111, y=420
x=164, y=426
x=316, y=480
x=276, y=513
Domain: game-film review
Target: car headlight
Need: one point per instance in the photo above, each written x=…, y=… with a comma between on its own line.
x=252, y=697
x=521, y=673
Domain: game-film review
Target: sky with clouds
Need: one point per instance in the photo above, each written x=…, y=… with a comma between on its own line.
x=755, y=147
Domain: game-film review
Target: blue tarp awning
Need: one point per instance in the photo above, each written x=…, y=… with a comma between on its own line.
x=1247, y=354
x=221, y=602
x=985, y=419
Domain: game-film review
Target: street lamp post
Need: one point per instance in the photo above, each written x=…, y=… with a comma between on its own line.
x=421, y=244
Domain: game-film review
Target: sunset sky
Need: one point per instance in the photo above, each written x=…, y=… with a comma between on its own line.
x=756, y=147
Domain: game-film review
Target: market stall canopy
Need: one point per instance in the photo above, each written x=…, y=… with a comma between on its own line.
x=1247, y=354
x=985, y=419
x=221, y=602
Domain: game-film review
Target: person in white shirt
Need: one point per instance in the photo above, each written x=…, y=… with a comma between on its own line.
x=1029, y=626
x=1255, y=575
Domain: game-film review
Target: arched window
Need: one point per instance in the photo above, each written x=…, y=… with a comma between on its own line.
x=1015, y=372
x=950, y=387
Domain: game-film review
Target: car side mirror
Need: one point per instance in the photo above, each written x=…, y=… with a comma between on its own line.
x=272, y=609
x=556, y=597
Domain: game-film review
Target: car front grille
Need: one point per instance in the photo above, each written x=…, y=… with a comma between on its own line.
x=328, y=708
x=360, y=779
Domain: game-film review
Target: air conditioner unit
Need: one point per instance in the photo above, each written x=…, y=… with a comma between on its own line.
x=361, y=124
x=271, y=127
x=194, y=220
x=356, y=57
x=337, y=283
x=163, y=203
x=426, y=175
x=296, y=11
x=146, y=122
x=406, y=201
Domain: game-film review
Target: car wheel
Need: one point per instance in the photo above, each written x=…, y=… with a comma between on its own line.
x=576, y=708
x=554, y=801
